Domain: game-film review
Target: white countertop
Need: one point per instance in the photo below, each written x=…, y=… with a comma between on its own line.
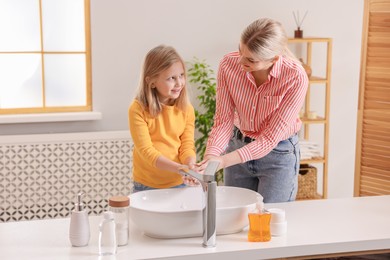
x=314, y=227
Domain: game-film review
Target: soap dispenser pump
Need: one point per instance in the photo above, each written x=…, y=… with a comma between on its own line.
x=79, y=231
x=259, y=223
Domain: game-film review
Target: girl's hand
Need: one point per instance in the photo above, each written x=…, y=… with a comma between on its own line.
x=191, y=165
x=190, y=181
x=190, y=162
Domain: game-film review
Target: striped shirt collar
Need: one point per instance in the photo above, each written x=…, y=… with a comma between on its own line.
x=276, y=68
x=275, y=71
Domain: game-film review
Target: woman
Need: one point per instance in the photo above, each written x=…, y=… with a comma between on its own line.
x=260, y=91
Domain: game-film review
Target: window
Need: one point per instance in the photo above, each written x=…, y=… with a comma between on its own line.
x=44, y=56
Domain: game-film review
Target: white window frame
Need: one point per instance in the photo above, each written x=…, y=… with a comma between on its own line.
x=57, y=113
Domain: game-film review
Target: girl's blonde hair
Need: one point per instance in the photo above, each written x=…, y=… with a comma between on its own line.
x=266, y=38
x=156, y=61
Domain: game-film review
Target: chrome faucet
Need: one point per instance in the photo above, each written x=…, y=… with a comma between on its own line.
x=209, y=186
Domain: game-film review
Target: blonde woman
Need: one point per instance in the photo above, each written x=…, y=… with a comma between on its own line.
x=161, y=121
x=260, y=91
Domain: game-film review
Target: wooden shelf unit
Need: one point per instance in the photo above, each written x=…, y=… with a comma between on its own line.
x=322, y=119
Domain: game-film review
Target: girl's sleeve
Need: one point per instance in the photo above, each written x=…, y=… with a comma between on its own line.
x=140, y=134
x=187, y=148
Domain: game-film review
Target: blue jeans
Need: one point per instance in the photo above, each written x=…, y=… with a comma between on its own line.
x=140, y=187
x=274, y=176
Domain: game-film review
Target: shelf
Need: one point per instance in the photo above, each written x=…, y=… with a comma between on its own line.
x=313, y=160
x=314, y=80
x=311, y=49
x=318, y=120
x=309, y=39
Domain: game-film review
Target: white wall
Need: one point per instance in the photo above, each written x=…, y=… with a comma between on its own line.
x=124, y=30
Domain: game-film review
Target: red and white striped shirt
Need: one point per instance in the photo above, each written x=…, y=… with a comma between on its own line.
x=267, y=113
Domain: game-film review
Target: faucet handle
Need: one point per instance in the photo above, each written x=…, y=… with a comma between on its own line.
x=184, y=171
x=210, y=170
x=207, y=176
x=188, y=172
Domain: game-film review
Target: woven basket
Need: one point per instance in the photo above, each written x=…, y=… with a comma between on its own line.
x=307, y=183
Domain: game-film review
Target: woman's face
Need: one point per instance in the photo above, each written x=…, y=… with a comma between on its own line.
x=170, y=82
x=250, y=61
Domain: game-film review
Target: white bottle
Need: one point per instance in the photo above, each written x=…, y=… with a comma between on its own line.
x=107, y=236
x=79, y=231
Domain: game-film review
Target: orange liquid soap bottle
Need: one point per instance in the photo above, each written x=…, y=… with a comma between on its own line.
x=259, y=224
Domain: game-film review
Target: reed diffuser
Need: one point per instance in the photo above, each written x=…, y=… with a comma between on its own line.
x=298, y=21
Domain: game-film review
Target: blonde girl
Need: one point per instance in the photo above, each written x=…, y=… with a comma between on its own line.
x=161, y=121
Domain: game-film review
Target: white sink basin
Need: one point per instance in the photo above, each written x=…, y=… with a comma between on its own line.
x=176, y=213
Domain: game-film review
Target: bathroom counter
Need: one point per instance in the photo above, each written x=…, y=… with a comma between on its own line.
x=316, y=227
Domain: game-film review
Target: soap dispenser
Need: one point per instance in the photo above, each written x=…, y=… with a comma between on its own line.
x=79, y=231
x=259, y=223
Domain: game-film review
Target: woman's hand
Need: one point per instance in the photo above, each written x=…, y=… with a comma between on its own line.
x=201, y=166
x=225, y=160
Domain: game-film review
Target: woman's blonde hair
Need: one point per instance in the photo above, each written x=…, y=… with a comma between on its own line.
x=266, y=38
x=156, y=61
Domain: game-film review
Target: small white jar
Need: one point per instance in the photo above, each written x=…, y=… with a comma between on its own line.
x=278, y=222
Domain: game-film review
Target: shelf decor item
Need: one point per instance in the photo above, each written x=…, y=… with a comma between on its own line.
x=298, y=33
x=306, y=67
x=307, y=183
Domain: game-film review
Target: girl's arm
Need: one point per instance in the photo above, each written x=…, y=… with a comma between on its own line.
x=165, y=164
x=187, y=154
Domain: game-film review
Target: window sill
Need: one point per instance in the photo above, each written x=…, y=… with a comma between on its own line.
x=50, y=117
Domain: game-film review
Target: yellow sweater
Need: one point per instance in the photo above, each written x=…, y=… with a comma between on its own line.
x=170, y=134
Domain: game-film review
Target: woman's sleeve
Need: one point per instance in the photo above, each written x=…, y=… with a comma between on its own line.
x=221, y=131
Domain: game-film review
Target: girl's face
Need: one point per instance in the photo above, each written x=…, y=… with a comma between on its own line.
x=251, y=62
x=170, y=83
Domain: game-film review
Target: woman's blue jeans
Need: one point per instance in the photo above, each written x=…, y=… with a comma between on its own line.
x=274, y=176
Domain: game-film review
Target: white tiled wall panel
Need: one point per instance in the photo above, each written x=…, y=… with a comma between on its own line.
x=40, y=177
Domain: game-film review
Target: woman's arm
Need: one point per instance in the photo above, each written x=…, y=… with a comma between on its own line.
x=223, y=118
x=225, y=160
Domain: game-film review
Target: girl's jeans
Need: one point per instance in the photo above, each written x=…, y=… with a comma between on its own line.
x=274, y=176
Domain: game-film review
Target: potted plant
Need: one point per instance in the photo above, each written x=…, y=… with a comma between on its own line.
x=201, y=75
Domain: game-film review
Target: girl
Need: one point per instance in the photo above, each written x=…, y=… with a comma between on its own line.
x=261, y=89
x=161, y=122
